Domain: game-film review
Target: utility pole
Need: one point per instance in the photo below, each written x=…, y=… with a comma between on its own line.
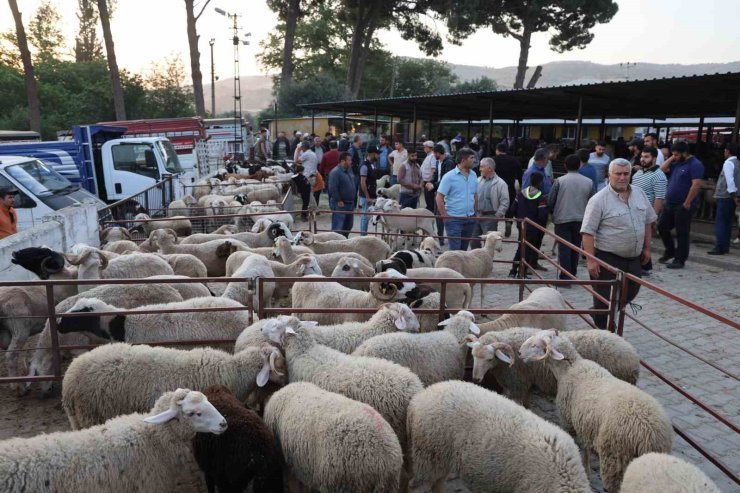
x=627, y=66
x=213, y=81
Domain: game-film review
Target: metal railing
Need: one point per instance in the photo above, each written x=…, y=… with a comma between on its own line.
x=151, y=201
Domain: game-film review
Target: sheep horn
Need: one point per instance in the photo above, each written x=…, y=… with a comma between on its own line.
x=47, y=269
x=103, y=261
x=273, y=357
x=388, y=295
x=506, y=349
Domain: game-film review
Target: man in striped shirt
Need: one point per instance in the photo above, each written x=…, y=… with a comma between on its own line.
x=653, y=182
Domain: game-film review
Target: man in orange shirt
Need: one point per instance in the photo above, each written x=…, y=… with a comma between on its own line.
x=8, y=216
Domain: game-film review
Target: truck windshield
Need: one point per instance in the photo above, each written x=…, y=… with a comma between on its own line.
x=172, y=163
x=40, y=179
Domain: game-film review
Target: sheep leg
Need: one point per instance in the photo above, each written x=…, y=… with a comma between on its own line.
x=294, y=484
x=438, y=486
x=481, y=294
x=612, y=469
x=11, y=358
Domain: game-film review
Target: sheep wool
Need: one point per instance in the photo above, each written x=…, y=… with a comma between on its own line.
x=541, y=298
x=494, y=444
x=663, y=473
x=332, y=443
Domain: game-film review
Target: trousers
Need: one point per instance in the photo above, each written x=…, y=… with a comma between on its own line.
x=630, y=265
x=678, y=218
x=568, y=258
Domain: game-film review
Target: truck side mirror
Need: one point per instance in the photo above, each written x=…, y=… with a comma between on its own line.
x=23, y=201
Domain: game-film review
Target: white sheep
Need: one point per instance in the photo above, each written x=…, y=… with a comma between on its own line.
x=370, y=247
x=427, y=321
x=334, y=295
x=121, y=246
x=181, y=207
x=348, y=266
x=288, y=252
x=491, y=442
x=264, y=238
x=305, y=420
x=408, y=225
x=115, y=233
x=385, y=386
x=253, y=266
x=615, y=419
x=175, y=326
x=433, y=356
x=476, y=263
x=320, y=236
x=407, y=259
x=663, y=473
x=430, y=244
x=262, y=222
x=120, y=378
x=135, y=452
x=187, y=290
x=213, y=254
x=392, y=192
x=179, y=224
x=185, y=264
x=91, y=264
x=607, y=349
x=544, y=298
x=457, y=295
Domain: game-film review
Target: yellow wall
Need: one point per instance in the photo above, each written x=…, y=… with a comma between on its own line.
x=290, y=125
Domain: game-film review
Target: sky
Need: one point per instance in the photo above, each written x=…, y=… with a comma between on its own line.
x=655, y=31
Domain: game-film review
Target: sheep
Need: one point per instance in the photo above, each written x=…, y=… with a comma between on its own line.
x=245, y=451
x=430, y=244
x=126, y=296
x=187, y=290
x=177, y=326
x=398, y=224
x=457, y=295
x=185, y=264
x=246, y=214
x=385, y=386
x=120, y=378
x=348, y=266
x=239, y=291
x=305, y=265
x=427, y=321
x=179, y=224
x=181, y=207
x=662, y=473
x=213, y=254
x=327, y=261
x=18, y=303
x=434, y=356
x=121, y=246
x=91, y=264
x=370, y=247
x=332, y=443
x=491, y=442
x=615, y=419
x=320, y=236
x=541, y=298
x=204, y=186
x=265, y=238
x=263, y=222
x=473, y=263
x=392, y=192
x=407, y=259
x=226, y=229
x=607, y=349
x=128, y=453
x=333, y=294
x=115, y=233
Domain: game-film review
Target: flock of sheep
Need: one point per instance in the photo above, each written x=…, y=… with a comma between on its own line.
x=340, y=401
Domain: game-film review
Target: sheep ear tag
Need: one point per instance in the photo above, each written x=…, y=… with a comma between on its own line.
x=162, y=417
x=502, y=356
x=474, y=328
x=264, y=375
x=400, y=323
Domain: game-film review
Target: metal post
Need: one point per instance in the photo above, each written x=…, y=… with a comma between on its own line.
x=313, y=122
x=213, y=81
x=468, y=133
x=736, y=128
x=617, y=295
x=516, y=135
x=393, y=140
x=699, y=130
x=602, y=130
x=442, y=300
x=579, y=122
x=250, y=305
x=491, y=147
x=344, y=120
x=622, y=305
x=375, y=128
x=51, y=310
x=522, y=248
x=414, y=137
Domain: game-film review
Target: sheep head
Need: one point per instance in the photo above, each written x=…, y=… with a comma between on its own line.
x=307, y=265
x=306, y=237
x=282, y=246
x=160, y=237
x=402, y=316
x=87, y=256
x=351, y=267
x=273, y=366
x=485, y=355
x=108, y=328
x=225, y=249
x=191, y=409
x=430, y=244
x=465, y=315
x=389, y=290
x=277, y=329
x=277, y=230
x=495, y=239
x=541, y=346
x=42, y=261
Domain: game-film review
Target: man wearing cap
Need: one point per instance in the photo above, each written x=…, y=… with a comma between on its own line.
x=368, y=187
x=343, y=144
x=8, y=216
x=457, y=196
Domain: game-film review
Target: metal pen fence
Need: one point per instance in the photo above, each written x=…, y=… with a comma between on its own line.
x=152, y=201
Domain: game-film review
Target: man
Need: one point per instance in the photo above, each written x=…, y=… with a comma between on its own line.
x=599, y=159
x=397, y=158
x=384, y=151
x=443, y=165
x=8, y=216
x=635, y=148
x=567, y=202
x=457, y=196
x=281, y=147
x=295, y=142
x=368, y=187
x=539, y=162
x=409, y=177
x=493, y=200
x=586, y=168
x=681, y=199
x=355, y=151
x=343, y=144
x=260, y=148
x=509, y=169
x=428, y=172
x=651, y=140
x=317, y=148
x=617, y=229
x=308, y=159
x=725, y=193
x=530, y=204
x=330, y=159
x=553, y=151
x=342, y=193
x=652, y=181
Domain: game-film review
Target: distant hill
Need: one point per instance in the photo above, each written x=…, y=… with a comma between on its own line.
x=257, y=89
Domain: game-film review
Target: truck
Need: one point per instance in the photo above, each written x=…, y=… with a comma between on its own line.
x=101, y=161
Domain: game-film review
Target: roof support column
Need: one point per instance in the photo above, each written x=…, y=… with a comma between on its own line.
x=602, y=129
x=700, y=130
x=516, y=135
x=344, y=120
x=468, y=133
x=579, y=123
x=491, y=147
x=414, y=138
x=313, y=121
x=431, y=134
x=736, y=128
x=375, y=126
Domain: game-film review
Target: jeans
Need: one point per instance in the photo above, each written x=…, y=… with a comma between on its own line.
x=394, y=180
x=675, y=216
x=568, y=258
x=365, y=217
x=629, y=265
x=408, y=200
x=342, y=223
x=459, y=227
x=723, y=224
x=483, y=227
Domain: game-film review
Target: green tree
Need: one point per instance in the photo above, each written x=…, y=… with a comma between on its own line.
x=417, y=76
x=32, y=92
x=167, y=94
x=481, y=84
x=568, y=22
x=87, y=44
x=10, y=53
x=44, y=32
x=288, y=13
x=321, y=87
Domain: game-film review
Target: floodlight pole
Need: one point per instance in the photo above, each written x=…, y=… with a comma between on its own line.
x=213, y=80
x=736, y=128
x=414, y=137
x=491, y=147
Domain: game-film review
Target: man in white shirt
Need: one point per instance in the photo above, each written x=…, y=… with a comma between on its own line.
x=725, y=193
x=397, y=158
x=428, y=169
x=651, y=140
x=308, y=159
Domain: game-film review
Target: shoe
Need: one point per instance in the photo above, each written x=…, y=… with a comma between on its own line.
x=665, y=258
x=507, y=230
x=716, y=252
x=675, y=265
x=646, y=273
x=538, y=266
x=512, y=274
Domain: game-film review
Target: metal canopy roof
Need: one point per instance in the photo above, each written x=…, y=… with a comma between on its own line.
x=692, y=96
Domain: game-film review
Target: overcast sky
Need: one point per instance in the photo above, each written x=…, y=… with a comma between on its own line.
x=656, y=31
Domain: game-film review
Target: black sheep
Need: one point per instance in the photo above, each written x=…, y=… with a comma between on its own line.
x=245, y=451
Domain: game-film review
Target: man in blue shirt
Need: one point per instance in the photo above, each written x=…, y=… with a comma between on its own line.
x=383, y=151
x=682, y=197
x=457, y=196
x=539, y=162
x=587, y=169
x=342, y=193
x=600, y=160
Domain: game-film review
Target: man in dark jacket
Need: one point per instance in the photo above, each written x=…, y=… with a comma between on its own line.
x=281, y=148
x=442, y=163
x=509, y=169
x=342, y=193
x=530, y=203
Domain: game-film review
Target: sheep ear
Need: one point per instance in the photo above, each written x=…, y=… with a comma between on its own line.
x=474, y=328
x=473, y=344
x=302, y=269
x=400, y=323
x=503, y=356
x=445, y=322
x=556, y=355
x=264, y=375
x=162, y=417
